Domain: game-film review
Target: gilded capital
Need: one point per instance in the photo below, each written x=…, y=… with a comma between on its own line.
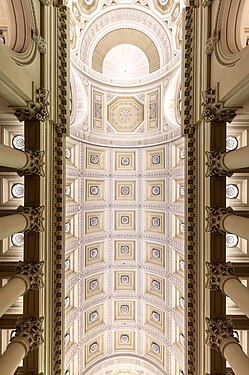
x=37, y=109
x=28, y=333
x=31, y=273
x=218, y=274
x=215, y=219
x=215, y=165
x=34, y=165
x=220, y=333
x=213, y=110
x=34, y=217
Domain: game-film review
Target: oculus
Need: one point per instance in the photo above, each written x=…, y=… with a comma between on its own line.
x=17, y=239
x=18, y=142
x=231, y=240
x=231, y=143
x=17, y=190
x=232, y=191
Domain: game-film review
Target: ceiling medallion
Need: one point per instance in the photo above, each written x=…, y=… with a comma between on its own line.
x=124, y=279
x=94, y=284
x=94, y=221
x=232, y=191
x=125, y=190
x=124, y=339
x=67, y=302
x=155, y=159
x=93, y=253
x=182, y=154
x=125, y=114
x=68, y=153
x=124, y=219
x=94, y=159
x=17, y=190
x=155, y=348
x=155, y=190
x=182, y=302
x=231, y=240
x=182, y=190
x=124, y=249
x=182, y=264
x=67, y=190
x=67, y=264
x=94, y=190
x=125, y=161
x=155, y=221
x=124, y=309
x=182, y=227
x=231, y=143
x=155, y=316
x=155, y=253
x=67, y=227
x=93, y=347
x=155, y=284
x=93, y=316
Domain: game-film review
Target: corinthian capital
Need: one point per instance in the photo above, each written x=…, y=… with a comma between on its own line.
x=219, y=334
x=213, y=110
x=31, y=273
x=28, y=333
x=216, y=217
x=34, y=217
x=37, y=110
x=215, y=164
x=218, y=274
x=35, y=164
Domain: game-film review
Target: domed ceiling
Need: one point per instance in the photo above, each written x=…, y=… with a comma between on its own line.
x=125, y=190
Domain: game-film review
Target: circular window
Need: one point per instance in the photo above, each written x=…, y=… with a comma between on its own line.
x=17, y=239
x=232, y=191
x=17, y=190
x=231, y=240
x=231, y=143
x=18, y=142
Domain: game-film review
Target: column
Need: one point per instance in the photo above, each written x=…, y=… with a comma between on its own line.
x=26, y=162
x=28, y=336
x=225, y=163
x=28, y=276
x=26, y=219
x=224, y=220
x=221, y=277
x=220, y=337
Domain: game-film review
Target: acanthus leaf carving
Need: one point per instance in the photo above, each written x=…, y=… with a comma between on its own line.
x=35, y=164
x=34, y=217
x=32, y=274
x=215, y=165
x=38, y=39
x=217, y=274
x=215, y=219
x=214, y=110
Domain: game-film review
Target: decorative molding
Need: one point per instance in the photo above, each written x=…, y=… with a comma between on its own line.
x=215, y=165
x=39, y=40
x=211, y=42
x=34, y=217
x=31, y=273
x=28, y=333
x=45, y=2
x=37, y=110
x=220, y=334
x=218, y=274
x=35, y=164
x=215, y=111
x=216, y=218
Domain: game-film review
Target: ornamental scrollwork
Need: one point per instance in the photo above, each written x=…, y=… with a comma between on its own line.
x=34, y=217
x=28, y=333
x=37, y=110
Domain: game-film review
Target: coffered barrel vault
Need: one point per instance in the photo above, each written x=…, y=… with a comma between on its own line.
x=125, y=193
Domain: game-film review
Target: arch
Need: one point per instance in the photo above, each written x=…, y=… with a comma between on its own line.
x=126, y=36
